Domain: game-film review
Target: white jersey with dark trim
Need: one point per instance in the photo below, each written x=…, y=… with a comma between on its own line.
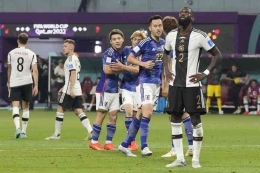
x=21, y=61
x=188, y=49
x=72, y=63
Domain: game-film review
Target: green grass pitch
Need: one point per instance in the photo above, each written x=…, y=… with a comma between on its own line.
x=231, y=145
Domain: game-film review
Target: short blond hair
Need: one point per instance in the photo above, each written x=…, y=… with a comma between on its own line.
x=138, y=33
x=70, y=41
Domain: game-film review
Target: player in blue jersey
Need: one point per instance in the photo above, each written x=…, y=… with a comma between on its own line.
x=128, y=86
x=170, y=23
x=149, y=81
x=107, y=94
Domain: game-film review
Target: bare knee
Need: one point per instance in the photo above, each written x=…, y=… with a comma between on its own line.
x=176, y=117
x=113, y=117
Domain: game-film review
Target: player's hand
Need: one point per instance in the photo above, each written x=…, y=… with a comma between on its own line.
x=148, y=64
x=165, y=91
x=116, y=65
x=60, y=92
x=169, y=75
x=72, y=93
x=35, y=91
x=197, y=77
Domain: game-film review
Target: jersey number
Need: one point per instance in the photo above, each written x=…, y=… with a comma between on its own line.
x=181, y=57
x=20, y=62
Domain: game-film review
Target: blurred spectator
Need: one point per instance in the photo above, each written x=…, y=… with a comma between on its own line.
x=59, y=73
x=214, y=88
x=92, y=93
x=4, y=79
x=252, y=97
x=237, y=78
x=84, y=5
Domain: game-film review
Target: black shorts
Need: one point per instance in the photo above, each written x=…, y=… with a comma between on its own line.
x=189, y=98
x=21, y=93
x=67, y=102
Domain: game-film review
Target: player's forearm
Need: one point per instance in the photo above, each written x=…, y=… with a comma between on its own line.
x=217, y=57
x=9, y=74
x=132, y=60
x=166, y=62
x=72, y=79
x=35, y=77
x=132, y=69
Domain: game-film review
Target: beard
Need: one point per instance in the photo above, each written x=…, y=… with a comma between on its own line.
x=184, y=22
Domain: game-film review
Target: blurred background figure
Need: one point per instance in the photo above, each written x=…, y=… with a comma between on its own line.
x=59, y=73
x=84, y=5
x=92, y=94
x=237, y=78
x=214, y=88
x=252, y=97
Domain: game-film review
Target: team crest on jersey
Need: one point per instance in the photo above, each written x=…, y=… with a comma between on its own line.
x=70, y=66
x=181, y=47
x=147, y=97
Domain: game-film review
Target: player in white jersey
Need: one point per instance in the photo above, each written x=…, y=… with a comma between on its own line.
x=70, y=93
x=22, y=63
x=187, y=43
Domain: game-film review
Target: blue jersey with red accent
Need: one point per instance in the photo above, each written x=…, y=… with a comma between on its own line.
x=109, y=83
x=151, y=50
x=129, y=79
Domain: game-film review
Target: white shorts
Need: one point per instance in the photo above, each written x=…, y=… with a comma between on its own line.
x=147, y=94
x=107, y=101
x=129, y=97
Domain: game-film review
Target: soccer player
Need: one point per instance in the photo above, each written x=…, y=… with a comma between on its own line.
x=107, y=94
x=214, y=88
x=70, y=93
x=128, y=85
x=149, y=80
x=170, y=23
x=253, y=97
x=187, y=43
x=22, y=71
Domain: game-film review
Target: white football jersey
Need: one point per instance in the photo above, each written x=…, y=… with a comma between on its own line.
x=21, y=61
x=72, y=63
x=187, y=49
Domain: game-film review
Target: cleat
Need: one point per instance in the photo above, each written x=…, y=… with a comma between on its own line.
x=133, y=146
x=196, y=164
x=246, y=113
x=176, y=163
x=23, y=135
x=17, y=133
x=126, y=151
x=189, y=152
x=89, y=137
x=220, y=112
x=109, y=146
x=169, y=154
x=95, y=146
x=146, y=152
x=238, y=111
x=53, y=137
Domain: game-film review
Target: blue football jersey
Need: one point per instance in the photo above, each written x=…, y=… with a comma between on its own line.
x=109, y=83
x=129, y=79
x=151, y=50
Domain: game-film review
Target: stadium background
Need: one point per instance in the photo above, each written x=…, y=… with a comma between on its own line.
x=231, y=142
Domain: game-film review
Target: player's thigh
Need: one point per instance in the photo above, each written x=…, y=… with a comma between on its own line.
x=77, y=104
x=103, y=101
x=194, y=100
x=210, y=90
x=174, y=100
x=147, y=93
x=217, y=90
x=16, y=94
x=27, y=93
x=114, y=104
x=65, y=101
x=128, y=97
